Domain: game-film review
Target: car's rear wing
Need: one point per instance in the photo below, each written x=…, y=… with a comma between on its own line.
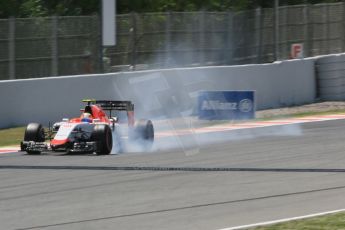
x=110, y=106
x=115, y=105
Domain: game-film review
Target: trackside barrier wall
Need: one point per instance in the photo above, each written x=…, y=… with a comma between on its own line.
x=157, y=93
x=331, y=77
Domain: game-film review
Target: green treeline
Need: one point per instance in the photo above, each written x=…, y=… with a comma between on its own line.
x=39, y=8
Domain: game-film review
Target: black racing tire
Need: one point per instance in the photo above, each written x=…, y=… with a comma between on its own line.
x=103, y=137
x=34, y=132
x=143, y=134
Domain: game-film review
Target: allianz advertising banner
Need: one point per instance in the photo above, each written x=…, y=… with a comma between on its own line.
x=226, y=105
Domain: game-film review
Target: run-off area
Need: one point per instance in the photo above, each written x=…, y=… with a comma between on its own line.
x=281, y=172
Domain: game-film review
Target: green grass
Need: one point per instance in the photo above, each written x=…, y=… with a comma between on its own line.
x=327, y=222
x=12, y=136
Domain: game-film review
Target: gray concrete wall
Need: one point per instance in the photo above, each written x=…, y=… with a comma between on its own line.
x=156, y=93
x=331, y=77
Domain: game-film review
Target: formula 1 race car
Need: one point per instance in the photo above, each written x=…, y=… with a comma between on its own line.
x=93, y=132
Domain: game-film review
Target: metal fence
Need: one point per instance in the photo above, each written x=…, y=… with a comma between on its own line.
x=40, y=47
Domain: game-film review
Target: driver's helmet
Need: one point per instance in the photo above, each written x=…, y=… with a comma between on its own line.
x=86, y=117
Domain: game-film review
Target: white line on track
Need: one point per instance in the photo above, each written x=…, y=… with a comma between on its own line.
x=9, y=150
x=283, y=220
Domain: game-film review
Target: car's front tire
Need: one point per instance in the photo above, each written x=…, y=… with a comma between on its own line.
x=34, y=132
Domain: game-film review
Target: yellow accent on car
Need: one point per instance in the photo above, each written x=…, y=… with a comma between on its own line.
x=89, y=100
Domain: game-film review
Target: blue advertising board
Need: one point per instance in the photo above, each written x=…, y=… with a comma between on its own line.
x=226, y=105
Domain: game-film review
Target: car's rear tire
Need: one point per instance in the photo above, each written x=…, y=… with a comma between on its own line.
x=143, y=134
x=102, y=136
x=34, y=132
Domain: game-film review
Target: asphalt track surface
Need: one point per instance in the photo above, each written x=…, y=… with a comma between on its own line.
x=245, y=177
